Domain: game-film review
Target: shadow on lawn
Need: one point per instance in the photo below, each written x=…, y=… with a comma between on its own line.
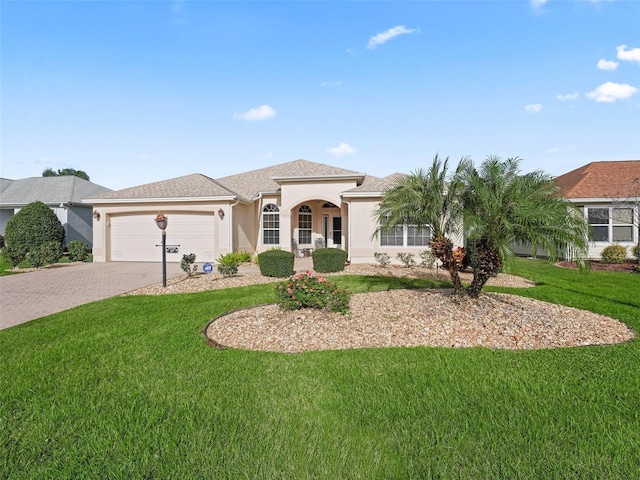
x=371, y=283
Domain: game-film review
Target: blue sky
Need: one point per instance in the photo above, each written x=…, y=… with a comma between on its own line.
x=136, y=92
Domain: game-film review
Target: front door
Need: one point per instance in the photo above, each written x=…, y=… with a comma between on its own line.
x=332, y=231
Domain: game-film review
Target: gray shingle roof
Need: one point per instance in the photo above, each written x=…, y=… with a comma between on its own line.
x=249, y=184
x=245, y=186
x=49, y=190
x=375, y=185
x=189, y=186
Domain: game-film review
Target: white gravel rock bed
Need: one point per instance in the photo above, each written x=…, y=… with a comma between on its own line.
x=410, y=318
x=402, y=318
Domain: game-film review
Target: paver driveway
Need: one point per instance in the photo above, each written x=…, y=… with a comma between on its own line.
x=27, y=296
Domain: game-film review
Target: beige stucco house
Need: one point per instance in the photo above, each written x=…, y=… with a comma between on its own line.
x=296, y=206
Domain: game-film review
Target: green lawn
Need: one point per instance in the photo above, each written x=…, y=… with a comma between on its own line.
x=128, y=388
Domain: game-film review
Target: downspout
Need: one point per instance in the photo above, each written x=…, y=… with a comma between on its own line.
x=258, y=219
x=231, y=223
x=349, y=231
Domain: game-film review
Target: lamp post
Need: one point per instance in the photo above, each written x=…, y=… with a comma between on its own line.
x=161, y=222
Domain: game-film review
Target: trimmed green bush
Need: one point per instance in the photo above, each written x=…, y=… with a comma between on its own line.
x=78, y=251
x=634, y=251
x=326, y=260
x=47, y=253
x=13, y=255
x=276, y=263
x=2, y=243
x=614, y=254
x=32, y=226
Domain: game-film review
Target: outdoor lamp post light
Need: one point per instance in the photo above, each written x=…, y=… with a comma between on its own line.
x=161, y=221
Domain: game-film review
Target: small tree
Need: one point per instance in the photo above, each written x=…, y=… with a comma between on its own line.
x=50, y=172
x=32, y=226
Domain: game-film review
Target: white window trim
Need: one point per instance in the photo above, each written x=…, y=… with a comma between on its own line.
x=609, y=223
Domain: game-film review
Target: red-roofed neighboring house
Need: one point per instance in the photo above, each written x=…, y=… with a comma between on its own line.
x=609, y=195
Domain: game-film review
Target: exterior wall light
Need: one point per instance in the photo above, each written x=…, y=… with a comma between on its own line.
x=96, y=215
x=221, y=214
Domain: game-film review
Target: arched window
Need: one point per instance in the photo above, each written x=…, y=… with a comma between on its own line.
x=270, y=225
x=304, y=225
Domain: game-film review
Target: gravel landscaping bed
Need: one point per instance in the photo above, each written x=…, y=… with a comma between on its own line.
x=402, y=318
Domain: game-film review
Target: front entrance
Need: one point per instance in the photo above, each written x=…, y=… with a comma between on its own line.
x=332, y=231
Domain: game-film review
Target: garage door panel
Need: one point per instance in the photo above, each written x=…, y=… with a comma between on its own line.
x=136, y=237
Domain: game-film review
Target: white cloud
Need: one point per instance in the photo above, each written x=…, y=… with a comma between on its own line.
x=383, y=37
x=568, y=96
x=609, y=92
x=342, y=149
x=632, y=55
x=607, y=64
x=537, y=3
x=533, y=107
x=262, y=112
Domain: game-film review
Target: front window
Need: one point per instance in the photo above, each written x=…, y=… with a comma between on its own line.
x=611, y=224
x=405, y=236
x=304, y=225
x=271, y=225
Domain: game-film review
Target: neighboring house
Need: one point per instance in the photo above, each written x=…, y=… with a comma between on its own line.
x=63, y=194
x=296, y=206
x=609, y=195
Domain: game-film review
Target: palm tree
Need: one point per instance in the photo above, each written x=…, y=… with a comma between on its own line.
x=425, y=198
x=501, y=207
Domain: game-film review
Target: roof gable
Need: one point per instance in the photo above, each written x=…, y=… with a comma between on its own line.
x=49, y=190
x=600, y=180
x=250, y=184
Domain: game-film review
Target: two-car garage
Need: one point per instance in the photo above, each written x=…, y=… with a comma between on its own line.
x=134, y=237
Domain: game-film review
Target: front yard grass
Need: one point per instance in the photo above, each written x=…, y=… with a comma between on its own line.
x=128, y=388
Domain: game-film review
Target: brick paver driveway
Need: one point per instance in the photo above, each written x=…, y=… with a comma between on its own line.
x=27, y=296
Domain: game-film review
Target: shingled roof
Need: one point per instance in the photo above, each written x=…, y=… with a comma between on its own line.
x=600, y=180
x=189, y=186
x=249, y=184
x=49, y=190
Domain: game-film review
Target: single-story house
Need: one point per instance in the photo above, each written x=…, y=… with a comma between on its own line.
x=296, y=206
x=609, y=195
x=64, y=195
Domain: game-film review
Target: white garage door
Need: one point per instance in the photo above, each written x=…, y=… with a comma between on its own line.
x=134, y=237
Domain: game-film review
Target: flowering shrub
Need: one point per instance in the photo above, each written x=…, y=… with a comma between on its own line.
x=307, y=290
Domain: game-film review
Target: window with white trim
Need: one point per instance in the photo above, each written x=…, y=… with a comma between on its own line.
x=405, y=236
x=270, y=225
x=304, y=225
x=611, y=224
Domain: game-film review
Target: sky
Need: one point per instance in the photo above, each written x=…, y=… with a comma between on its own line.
x=138, y=92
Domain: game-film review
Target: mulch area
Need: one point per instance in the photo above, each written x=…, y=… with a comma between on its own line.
x=607, y=267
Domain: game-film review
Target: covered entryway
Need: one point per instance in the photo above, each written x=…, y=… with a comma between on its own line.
x=135, y=237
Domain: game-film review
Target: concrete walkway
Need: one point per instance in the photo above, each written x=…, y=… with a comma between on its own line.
x=31, y=295
x=26, y=296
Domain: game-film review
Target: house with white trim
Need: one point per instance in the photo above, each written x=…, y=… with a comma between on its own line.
x=296, y=206
x=608, y=193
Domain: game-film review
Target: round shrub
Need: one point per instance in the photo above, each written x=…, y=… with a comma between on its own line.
x=32, y=226
x=276, y=263
x=47, y=253
x=328, y=260
x=78, y=251
x=634, y=251
x=614, y=254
